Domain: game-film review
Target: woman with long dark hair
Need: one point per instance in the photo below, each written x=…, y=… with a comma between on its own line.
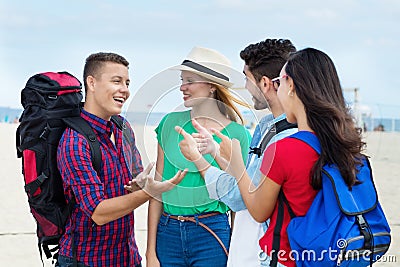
x=309, y=90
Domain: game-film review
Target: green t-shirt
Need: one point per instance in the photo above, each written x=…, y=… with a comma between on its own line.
x=190, y=196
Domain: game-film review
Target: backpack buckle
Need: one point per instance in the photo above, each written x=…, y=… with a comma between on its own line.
x=361, y=221
x=44, y=134
x=255, y=150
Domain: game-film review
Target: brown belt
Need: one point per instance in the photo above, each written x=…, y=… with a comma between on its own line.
x=193, y=220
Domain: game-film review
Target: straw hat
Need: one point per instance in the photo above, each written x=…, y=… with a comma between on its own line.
x=209, y=64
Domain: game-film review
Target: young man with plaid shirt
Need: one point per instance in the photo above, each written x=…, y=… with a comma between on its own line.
x=100, y=230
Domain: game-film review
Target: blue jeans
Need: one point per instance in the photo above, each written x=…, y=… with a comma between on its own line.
x=189, y=244
x=67, y=262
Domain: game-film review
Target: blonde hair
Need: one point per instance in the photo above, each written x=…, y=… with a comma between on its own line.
x=226, y=103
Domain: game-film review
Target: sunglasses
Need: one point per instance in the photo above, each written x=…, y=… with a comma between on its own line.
x=276, y=82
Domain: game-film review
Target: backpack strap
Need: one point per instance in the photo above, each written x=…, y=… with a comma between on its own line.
x=21, y=147
x=278, y=127
x=312, y=140
x=81, y=126
x=18, y=142
x=308, y=138
x=276, y=240
x=119, y=121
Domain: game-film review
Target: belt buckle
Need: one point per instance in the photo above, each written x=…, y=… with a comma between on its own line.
x=181, y=218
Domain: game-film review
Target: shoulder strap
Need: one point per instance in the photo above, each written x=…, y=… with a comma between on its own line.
x=308, y=138
x=18, y=142
x=278, y=127
x=276, y=239
x=120, y=123
x=83, y=127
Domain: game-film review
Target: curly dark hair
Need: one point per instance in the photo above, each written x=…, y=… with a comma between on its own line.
x=267, y=58
x=94, y=62
x=317, y=84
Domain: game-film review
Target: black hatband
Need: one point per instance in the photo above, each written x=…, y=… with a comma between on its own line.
x=204, y=69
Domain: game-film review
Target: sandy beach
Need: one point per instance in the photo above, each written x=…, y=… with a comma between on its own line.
x=18, y=242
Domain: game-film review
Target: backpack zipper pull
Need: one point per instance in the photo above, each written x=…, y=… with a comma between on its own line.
x=340, y=259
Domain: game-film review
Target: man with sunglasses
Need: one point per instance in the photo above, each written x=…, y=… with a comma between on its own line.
x=277, y=81
x=263, y=61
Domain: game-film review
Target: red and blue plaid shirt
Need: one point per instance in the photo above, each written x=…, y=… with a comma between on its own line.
x=112, y=244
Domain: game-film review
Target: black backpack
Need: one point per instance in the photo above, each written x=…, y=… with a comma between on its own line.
x=52, y=102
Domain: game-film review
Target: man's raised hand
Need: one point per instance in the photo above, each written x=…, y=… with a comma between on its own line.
x=230, y=152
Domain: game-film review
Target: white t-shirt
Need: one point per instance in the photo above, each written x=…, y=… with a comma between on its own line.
x=244, y=248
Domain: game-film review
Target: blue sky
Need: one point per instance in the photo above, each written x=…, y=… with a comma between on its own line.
x=361, y=36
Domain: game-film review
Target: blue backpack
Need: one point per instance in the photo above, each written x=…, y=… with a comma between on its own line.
x=342, y=227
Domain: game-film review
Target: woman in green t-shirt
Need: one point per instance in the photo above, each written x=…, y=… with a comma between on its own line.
x=177, y=234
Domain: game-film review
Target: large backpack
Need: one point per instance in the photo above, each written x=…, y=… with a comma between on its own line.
x=343, y=227
x=52, y=102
